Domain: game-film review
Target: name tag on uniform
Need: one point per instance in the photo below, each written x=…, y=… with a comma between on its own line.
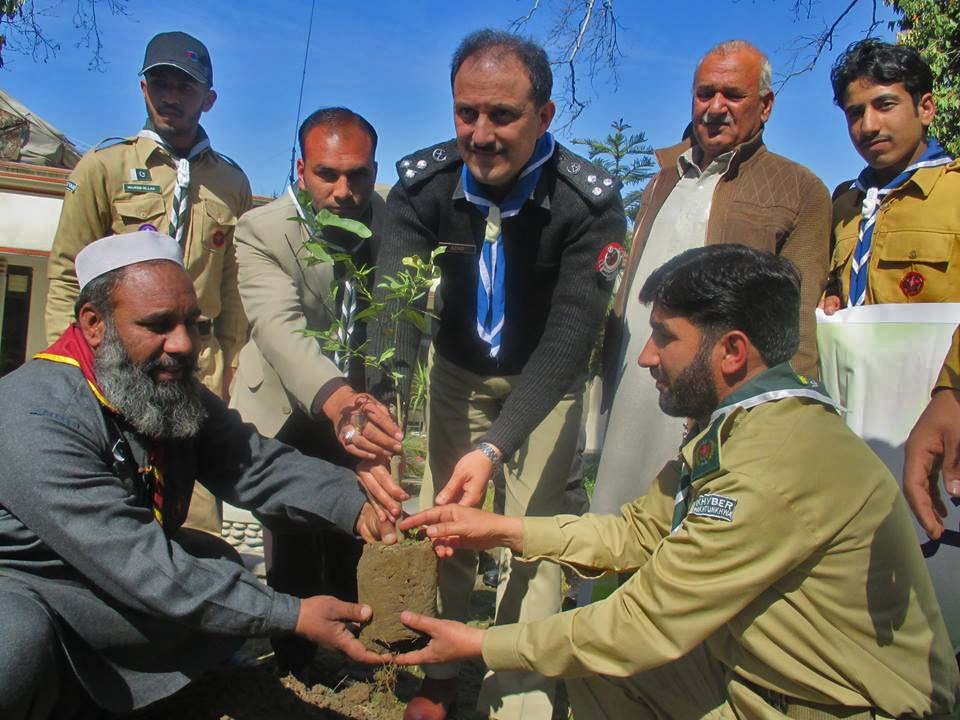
x=718, y=507
x=459, y=248
x=141, y=188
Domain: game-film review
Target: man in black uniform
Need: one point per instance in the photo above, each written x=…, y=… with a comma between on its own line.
x=531, y=236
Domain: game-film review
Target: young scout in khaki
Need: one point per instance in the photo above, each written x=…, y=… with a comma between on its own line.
x=117, y=188
x=776, y=572
x=168, y=170
x=895, y=227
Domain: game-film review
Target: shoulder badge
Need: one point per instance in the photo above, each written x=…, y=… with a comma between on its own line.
x=594, y=183
x=111, y=142
x=610, y=260
x=706, y=453
x=423, y=163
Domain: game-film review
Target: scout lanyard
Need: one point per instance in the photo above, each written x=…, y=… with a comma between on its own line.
x=491, y=288
x=773, y=384
x=866, y=183
x=348, y=300
x=181, y=191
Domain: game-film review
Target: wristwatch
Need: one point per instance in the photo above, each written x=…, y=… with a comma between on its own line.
x=492, y=455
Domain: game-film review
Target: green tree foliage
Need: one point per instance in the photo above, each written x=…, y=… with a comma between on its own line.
x=627, y=157
x=933, y=28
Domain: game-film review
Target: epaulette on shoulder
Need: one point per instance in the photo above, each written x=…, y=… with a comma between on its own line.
x=595, y=184
x=111, y=142
x=228, y=160
x=416, y=167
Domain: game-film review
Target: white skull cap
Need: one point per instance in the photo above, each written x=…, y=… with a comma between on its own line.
x=117, y=251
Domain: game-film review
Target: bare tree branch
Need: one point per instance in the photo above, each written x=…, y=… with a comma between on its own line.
x=584, y=34
x=812, y=47
x=22, y=24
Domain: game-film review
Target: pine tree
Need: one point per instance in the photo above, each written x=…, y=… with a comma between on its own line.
x=626, y=157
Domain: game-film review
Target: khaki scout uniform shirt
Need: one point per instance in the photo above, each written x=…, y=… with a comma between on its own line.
x=797, y=567
x=915, y=256
x=105, y=197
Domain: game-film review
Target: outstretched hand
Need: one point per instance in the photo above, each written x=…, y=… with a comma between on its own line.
x=468, y=482
x=458, y=526
x=933, y=445
x=330, y=622
x=449, y=640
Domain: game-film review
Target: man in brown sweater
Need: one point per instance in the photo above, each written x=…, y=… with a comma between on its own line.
x=720, y=185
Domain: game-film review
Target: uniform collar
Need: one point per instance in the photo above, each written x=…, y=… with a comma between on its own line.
x=772, y=384
x=146, y=147
x=540, y=196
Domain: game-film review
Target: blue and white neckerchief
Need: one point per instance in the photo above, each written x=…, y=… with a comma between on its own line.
x=873, y=195
x=181, y=191
x=491, y=294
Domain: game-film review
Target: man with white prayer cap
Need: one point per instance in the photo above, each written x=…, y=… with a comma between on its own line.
x=107, y=601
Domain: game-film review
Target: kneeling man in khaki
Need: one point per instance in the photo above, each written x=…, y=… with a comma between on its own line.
x=776, y=571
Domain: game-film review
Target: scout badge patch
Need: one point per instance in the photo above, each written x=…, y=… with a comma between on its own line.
x=912, y=284
x=610, y=260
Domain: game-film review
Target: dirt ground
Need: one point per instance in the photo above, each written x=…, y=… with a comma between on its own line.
x=336, y=690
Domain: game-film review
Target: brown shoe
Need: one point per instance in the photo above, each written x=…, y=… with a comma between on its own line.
x=433, y=700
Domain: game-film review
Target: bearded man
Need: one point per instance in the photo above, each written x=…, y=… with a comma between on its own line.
x=106, y=599
x=774, y=568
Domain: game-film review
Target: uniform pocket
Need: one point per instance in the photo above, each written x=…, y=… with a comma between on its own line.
x=219, y=223
x=915, y=266
x=133, y=212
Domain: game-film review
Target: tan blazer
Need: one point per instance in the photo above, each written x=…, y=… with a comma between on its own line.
x=280, y=368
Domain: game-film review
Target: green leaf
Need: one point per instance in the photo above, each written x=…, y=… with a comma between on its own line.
x=387, y=354
x=318, y=251
x=325, y=218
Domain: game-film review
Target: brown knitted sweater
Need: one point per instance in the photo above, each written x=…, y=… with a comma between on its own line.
x=764, y=201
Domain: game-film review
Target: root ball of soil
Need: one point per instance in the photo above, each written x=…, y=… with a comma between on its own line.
x=392, y=578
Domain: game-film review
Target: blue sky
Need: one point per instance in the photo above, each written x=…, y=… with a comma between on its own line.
x=389, y=61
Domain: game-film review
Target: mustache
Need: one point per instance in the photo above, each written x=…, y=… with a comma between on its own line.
x=171, y=364
x=876, y=138
x=170, y=109
x=710, y=119
x=490, y=149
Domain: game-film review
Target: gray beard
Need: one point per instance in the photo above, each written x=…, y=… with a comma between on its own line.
x=158, y=410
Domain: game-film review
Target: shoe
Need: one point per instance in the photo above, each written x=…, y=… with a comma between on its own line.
x=433, y=700
x=491, y=578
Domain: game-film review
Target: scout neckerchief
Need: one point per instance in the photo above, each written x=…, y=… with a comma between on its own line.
x=72, y=349
x=347, y=308
x=181, y=191
x=491, y=294
x=873, y=195
x=773, y=384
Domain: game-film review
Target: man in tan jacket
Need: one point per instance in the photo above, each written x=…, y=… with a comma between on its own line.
x=720, y=185
x=168, y=178
x=775, y=572
x=287, y=386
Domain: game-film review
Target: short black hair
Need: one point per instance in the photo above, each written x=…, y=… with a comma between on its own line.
x=881, y=63
x=501, y=44
x=335, y=116
x=727, y=287
x=99, y=292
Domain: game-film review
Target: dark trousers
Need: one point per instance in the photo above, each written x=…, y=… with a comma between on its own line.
x=320, y=563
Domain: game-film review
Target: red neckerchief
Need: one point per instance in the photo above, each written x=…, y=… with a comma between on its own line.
x=72, y=349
